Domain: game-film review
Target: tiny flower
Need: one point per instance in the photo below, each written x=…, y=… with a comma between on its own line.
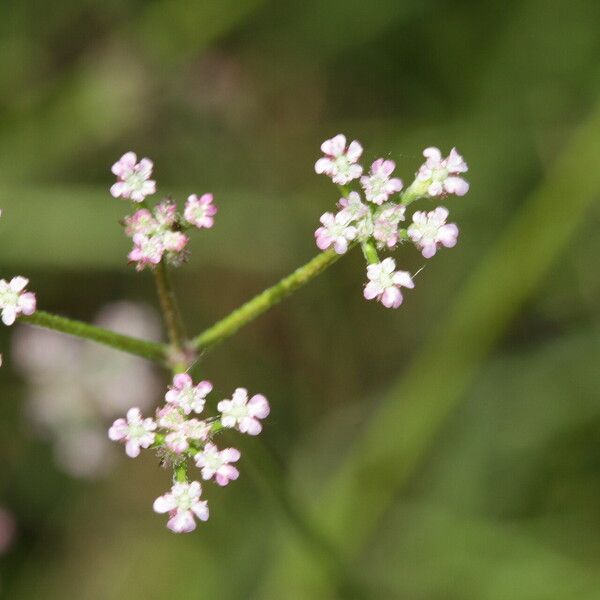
x=339, y=162
x=133, y=178
x=385, y=282
x=352, y=207
x=169, y=417
x=141, y=222
x=146, y=251
x=174, y=241
x=14, y=300
x=243, y=413
x=379, y=185
x=183, y=504
x=192, y=429
x=165, y=213
x=215, y=462
x=429, y=231
x=136, y=432
x=186, y=396
x=335, y=232
x=440, y=175
x=200, y=211
x=385, y=229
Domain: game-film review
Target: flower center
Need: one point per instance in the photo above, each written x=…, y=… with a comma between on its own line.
x=239, y=412
x=342, y=164
x=136, y=180
x=9, y=298
x=184, y=502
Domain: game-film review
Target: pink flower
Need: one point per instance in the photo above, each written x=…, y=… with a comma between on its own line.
x=14, y=300
x=352, y=208
x=200, y=211
x=378, y=185
x=147, y=251
x=242, y=413
x=173, y=241
x=429, y=231
x=133, y=178
x=440, y=175
x=339, y=162
x=385, y=282
x=183, y=504
x=215, y=462
x=385, y=229
x=178, y=440
x=335, y=232
x=169, y=417
x=165, y=213
x=186, y=396
x=136, y=432
x=141, y=222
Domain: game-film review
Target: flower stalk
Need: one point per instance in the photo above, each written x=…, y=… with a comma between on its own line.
x=153, y=351
x=264, y=301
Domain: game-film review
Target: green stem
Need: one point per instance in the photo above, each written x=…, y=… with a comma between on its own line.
x=264, y=301
x=171, y=315
x=150, y=350
x=370, y=252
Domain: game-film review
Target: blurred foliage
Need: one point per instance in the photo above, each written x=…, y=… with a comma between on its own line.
x=448, y=450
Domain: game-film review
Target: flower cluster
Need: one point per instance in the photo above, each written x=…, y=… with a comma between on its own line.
x=372, y=216
x=178, y=435
x=158, y=233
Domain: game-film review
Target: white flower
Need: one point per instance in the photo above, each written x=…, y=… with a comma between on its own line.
x=186, y=396
x=136, y=432
x=133, y=178
x=379, y=185
x=215, y=463
x=385, y=282
x=335, y=231
x=14, y=300
x=183, y=504
x=339, y=162
x=242, y=413
x=440, y=175
x=429, y=231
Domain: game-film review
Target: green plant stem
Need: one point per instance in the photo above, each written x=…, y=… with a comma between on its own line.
x=150, y=350
x=264, y=301
x=171, y=315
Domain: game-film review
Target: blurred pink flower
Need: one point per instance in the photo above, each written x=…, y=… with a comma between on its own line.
x=200, y=211
x=133, y=178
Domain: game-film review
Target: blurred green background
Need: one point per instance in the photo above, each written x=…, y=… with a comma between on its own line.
x=449, y=450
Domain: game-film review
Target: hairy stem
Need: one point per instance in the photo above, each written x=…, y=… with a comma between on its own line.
x=264, y=301
x=150, y=350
